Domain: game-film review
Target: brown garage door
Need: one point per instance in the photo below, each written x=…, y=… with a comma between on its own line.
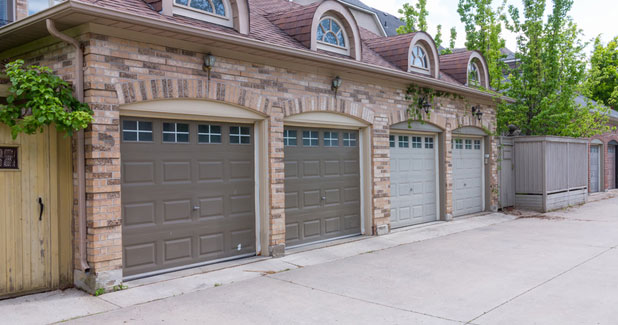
x=322, y=184
x=187, y=193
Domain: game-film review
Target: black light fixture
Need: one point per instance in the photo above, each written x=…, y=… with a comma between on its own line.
x=476, y=111
x=424, y=104
x=335, y=84
x=209, y=63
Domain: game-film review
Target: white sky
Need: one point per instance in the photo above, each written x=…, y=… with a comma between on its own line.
x=592, y=16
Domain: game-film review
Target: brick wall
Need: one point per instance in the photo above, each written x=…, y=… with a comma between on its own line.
x=119, y=71
x=605, y=138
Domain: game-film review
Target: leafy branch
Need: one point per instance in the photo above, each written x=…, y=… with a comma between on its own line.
x=419, y=97
x=38, y=98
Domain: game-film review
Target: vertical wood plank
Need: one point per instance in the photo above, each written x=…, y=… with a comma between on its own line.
x=53, y=246
x=65, y=209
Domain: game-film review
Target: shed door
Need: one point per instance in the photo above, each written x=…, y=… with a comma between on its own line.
x=467, y=176
x=413, y=179
x=595, y=169
x=611, y=166
x=322, y=184
x=25, y=222
x=507, y=176
x=187, y=193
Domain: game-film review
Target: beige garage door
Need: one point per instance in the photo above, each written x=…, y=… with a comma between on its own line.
x=322, y=184
x=187, y=193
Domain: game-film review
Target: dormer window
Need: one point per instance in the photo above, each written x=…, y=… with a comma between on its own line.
x=332, y=37
x=419, y=58
x=214, y=11
x=474, y=77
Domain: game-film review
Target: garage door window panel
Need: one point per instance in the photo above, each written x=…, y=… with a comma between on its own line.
x=403, y=141
x=477, y=144
x=428, y=143
x=311, y=138
x=468, y=144
x=208, y=133
x=175, y=132
x=349, y=139
x=136, y=131
x=289, y=138
x=391, y=140
x=240, y=135
x=331, y=139
x=417, y=142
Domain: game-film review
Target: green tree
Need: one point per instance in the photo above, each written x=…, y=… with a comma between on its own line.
x=415, y=19
x=602, y=81
x=483, y=26
x=549, y=75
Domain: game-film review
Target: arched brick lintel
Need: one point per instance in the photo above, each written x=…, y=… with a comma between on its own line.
x=156, y=89
x=325, y=103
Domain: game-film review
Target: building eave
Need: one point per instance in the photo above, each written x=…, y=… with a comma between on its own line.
x=70, y=7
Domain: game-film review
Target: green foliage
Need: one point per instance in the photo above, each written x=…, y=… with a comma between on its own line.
x=547, y=80
x=119, y=287
x=602, y=81
x=483, y=25
x=416, y=96
x=99, y=292
x=415, y=19
x=38, y=98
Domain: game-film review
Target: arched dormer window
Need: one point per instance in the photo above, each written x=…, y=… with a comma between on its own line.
x=216, y=7
x=331, y=36
x=419, y=58
x=474, y=76
x=228, y=13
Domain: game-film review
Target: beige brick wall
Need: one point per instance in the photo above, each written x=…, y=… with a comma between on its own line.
x=119, y=71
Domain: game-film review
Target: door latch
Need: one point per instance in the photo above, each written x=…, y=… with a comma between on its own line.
x=42, y=206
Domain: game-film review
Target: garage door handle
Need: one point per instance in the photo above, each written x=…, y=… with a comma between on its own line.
x=195, y=208
x=323, y=198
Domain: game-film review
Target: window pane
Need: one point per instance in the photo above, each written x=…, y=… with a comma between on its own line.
x=429, y=143
x=468, y=144
x=168, y=137
x=477, y=144
x=181, y=127
x=168, y=127
x=145, y=126
x=182, y=2
x=403, y=141
x=129, y=136
x=182, y=137
x=417, y=142
x=391, y=140
x=325, y=24
x=335, y=27
x=215, y=139
x=245, y=130
x=215, y=129
x=145, y=136
x=341, y=39
x=129, y=125
x=330, y=38
x=202, y=5
x=219, y=7
x=245, y=140
x=320, y=33
x=310, y=138
x=289, y=137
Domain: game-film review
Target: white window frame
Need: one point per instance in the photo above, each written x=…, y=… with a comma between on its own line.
x=194, y=13
x=209, y=134
x=321, y=45
x=426, y=57
x=329, y=141
x=349, y=139
x=138, y=131
x=175, y=132
x=429, y=143
x=287, y=137
x=310, y=138
x=239, y=135
x=416, y=142
x=474, y=82
x=403, y=139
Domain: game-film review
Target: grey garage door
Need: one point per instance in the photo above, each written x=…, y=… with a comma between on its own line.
x=595, y=168
x=413, y=179
x=322, y=184
x=467, y=176
x=187, y=193
x=611, y=166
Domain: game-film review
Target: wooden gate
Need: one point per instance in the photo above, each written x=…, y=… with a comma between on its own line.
x=35, y=212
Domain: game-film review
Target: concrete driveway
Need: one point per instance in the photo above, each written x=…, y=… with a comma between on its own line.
x=561, y=268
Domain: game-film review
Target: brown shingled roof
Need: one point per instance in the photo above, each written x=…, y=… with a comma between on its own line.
x=393, y=49
x=288, y=24
x=456, y=65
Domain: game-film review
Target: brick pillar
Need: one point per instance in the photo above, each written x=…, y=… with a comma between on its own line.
x=277, y=177
x=381, y=173
x=103, y=209
x=448, y=171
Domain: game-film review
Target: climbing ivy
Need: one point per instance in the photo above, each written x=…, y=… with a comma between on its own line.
x=38, y=98
x=416, y=96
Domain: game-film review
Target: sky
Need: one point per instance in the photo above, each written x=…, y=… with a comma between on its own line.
x=592, y=16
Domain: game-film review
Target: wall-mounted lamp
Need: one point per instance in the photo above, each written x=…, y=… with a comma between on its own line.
x=476, y=111
x=209, y=63
x=424, y=104
x=335, y=84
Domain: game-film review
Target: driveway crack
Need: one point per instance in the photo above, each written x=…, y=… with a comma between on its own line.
x=542, y=283
x=367, y=301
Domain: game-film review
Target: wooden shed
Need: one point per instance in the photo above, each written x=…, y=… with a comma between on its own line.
x=548, y=172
